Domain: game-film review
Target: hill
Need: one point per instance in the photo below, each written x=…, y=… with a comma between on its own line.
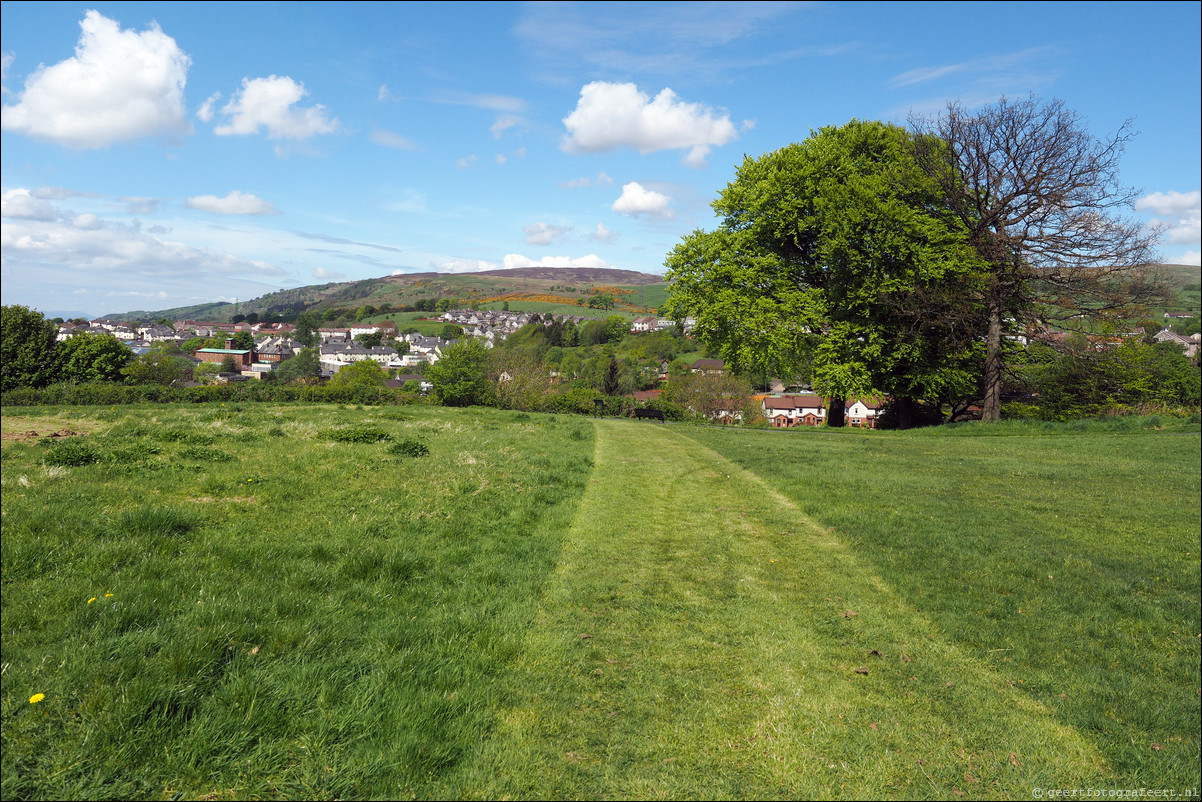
x=558, y=285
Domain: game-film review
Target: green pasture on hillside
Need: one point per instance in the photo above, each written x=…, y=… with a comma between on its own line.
x=278, y=601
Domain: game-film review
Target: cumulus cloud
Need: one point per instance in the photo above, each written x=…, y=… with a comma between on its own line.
x=22, y=204
x=610, y=116
x=465, y=162
x=518, y=260
x=270, y=103
x=119, y=85
x=603, y=234
x=234, y=203
x=1180, y=213
x=87, y=222
x=637, y=201
x=389, y=139
x=543, y=233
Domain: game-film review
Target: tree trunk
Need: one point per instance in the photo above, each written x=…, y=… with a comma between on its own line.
x=905, y=412
x=991, y=410
x=836, y=412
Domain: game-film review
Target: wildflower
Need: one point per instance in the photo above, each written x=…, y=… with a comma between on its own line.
x=91, y=600
x=107, y=595
x=37, y=697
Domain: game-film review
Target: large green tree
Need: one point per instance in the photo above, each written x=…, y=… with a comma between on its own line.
x=27, y=341
x=460, y=376
x=837, y=249
x=92, y=357
x=159, y=365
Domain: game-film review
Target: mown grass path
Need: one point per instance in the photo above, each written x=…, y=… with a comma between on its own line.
x=701, y=637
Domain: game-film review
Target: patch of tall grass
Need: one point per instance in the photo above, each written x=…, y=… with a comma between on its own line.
x=302, y=619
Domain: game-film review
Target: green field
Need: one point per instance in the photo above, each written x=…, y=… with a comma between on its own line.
x=274, y=601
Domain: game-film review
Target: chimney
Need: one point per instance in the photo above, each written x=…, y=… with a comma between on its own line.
x=229, y=343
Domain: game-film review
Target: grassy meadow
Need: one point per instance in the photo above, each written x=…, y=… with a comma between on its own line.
x=262, y=601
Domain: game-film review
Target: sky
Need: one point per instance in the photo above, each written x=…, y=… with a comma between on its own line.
x=155, y=155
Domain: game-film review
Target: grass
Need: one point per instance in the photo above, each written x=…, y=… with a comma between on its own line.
x=1069, y=561
x=488, y=604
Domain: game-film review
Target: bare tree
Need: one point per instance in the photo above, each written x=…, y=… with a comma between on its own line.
x=1042, y=201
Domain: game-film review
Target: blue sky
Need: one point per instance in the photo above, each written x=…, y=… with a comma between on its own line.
x=161, y=154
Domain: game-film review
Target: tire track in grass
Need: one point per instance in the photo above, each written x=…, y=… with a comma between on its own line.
x=702, y=637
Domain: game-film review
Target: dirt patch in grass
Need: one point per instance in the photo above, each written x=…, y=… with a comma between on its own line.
x=29, y=429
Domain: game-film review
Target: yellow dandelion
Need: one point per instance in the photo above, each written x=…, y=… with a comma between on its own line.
x=91, y=600
x=37, y=697
x=107, y=595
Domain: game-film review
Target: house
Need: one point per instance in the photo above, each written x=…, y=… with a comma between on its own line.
x=1187, y=344
x=243, y=359
x=783, y=412
x=863, y=412
x=708, y=366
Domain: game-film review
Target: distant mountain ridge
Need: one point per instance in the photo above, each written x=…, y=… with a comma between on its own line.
x=397, y=289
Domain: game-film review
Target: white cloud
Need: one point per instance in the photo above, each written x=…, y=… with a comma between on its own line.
x=465, y=162
x=602, y=180
x=503, y=124
x=385, y=95
x=500, y=158
x=234, y=203
x=502, y=103
x=94, y=247
x=205, y=112
x=543, y=233
x=271, y=103
x=1189, y=258
x=518, y=260
x=119, y=85
x=327, y=275
x=992, y=66
x=459, y=266
x=610, y=116
x=22, y=204
x=637, y=201
x=603, y=234
x=1183, y=211
x=389, y=139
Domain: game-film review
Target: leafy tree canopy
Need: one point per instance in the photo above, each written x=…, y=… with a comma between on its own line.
x=460, y=377
x=841, y=247
x=27, y=341
x=92, y=357
x=364, y=373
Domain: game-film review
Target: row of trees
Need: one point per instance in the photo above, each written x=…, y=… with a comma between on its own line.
x=896, y=261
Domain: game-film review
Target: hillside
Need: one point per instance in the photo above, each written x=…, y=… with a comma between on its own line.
x=559, y=285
